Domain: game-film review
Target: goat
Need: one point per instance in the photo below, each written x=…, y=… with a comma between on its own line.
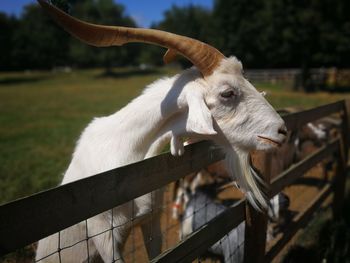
x=190, y=183
x=317, y=133
x=202, y=208
x=313, y=135
x=210, y=101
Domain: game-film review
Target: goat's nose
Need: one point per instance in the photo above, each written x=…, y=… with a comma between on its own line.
x=282, y=130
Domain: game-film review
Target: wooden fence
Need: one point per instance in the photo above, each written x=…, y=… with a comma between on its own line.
x=53, y=210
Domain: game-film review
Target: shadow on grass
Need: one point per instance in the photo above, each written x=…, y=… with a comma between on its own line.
x=128, y=73
x=19, y=80
x=336, y=89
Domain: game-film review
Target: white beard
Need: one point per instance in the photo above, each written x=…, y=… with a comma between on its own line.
x=250, y=183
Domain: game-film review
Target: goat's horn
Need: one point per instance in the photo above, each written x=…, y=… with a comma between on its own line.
x=205, y=57
x=169, y=56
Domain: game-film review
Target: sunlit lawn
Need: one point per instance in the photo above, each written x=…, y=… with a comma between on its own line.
x=43, y=113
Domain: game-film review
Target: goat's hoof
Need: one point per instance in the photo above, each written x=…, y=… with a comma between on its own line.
x=176, y=146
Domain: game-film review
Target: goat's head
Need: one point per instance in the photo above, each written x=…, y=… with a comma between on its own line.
x=224, y=107
x=242, y=114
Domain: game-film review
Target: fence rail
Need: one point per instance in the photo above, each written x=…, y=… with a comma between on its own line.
x=290, y=175
x=56, y=209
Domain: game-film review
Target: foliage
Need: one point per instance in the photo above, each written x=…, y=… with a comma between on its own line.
x=108, y=13
x=192, y=21
x=263, y=34
x=7, y=28
x=34, y=41
x=37, y=41
x=284, y=33
x=238, y=27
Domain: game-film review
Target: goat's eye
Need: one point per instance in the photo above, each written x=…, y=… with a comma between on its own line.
x=228, y=94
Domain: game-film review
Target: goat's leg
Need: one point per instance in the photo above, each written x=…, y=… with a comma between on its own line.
x=109, y=244
x=152, y=235
x=149, y=206
x=72, y=246
x=105, y=244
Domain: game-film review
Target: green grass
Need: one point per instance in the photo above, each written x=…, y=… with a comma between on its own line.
x=42, y=115
x=279, y=95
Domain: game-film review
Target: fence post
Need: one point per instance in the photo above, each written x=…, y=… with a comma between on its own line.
x=256, y=222
x=342, y=160
x=346, y=128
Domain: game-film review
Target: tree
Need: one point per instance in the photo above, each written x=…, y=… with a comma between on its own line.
x=108, y=13
x=7, y=27
x=37, y=41
x=192, y=21
x=238, y=27
x=309, y=33
x=263, y=34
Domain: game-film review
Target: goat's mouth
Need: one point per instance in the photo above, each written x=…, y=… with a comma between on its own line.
x=270, y=141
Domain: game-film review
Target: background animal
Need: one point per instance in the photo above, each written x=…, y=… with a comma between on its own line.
x=311, y=137
x=202, y=207
x=215, y=174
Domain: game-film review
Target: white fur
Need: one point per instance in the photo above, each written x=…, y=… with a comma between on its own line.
x=318, y=130
x=186, y=105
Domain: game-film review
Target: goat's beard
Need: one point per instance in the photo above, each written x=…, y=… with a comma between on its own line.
x=238, y=165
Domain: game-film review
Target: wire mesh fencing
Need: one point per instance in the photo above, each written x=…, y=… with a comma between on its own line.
x=130, y=237
x=78, y=243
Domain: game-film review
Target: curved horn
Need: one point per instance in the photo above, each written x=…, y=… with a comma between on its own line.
x=205, y=57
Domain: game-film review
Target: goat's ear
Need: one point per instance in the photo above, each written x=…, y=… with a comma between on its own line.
x=199, y=118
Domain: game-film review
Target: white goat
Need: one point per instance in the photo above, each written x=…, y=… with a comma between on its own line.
x=202, y=207
x=213, y=174
x=211, y=101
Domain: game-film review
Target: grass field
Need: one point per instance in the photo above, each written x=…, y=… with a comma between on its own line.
x=43, y=113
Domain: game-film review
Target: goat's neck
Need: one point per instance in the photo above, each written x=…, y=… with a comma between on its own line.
x=137, y=131
x=145, y=121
